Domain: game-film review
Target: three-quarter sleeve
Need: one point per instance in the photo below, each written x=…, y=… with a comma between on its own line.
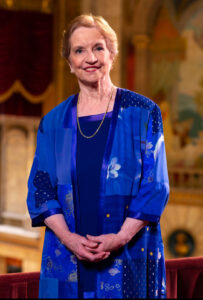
x=153, y=192
x=42, y=183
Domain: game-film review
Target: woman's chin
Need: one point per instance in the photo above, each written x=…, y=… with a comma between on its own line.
x=89, y=81
x=93, y=79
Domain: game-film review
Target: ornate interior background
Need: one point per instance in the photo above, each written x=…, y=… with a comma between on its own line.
x=160, y=56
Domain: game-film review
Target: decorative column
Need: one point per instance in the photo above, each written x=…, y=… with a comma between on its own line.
x=3, y=267
x=32, y=125
x=141, y=68
x=59, y=62
x=65, y=84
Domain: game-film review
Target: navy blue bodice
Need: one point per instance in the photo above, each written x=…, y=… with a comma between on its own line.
x=88, y=165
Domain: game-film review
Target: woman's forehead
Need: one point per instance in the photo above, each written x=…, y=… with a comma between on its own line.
x=86, y=35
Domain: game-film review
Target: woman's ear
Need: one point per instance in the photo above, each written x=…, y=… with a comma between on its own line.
x=112, y=62
x=71, y=69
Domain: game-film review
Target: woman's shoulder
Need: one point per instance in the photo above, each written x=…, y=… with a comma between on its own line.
x=56, y=115
x=60, y=107
x=132, y=99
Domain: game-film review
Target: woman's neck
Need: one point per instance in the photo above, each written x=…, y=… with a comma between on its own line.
x=95, y=93
x=96, y=100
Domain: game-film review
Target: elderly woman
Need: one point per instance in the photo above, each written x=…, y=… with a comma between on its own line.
x=99, y=180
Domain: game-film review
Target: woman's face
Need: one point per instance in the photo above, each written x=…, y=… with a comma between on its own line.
x=90, y=59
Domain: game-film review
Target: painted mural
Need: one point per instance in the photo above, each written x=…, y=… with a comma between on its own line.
x=190, y=91
x=177, y=86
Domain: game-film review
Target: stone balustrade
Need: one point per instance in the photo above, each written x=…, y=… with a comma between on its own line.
x=186, y=178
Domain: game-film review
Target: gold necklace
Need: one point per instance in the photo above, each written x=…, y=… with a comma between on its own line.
x=91, y=136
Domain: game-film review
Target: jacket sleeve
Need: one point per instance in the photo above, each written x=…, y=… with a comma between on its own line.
x=153, y=191
x=42, y=192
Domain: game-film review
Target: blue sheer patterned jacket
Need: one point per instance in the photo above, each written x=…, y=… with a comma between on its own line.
x=134, y=183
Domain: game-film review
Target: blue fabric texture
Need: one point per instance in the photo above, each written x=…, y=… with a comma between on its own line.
x=89, y=161
x=133, y=183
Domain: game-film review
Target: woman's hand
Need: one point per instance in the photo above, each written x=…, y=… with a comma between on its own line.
x=111, y=242
x=83, y=248
x=106, y=242
x=79, y=245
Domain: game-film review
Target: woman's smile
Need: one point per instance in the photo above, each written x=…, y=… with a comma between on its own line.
x=90, y=59
x=91, y=69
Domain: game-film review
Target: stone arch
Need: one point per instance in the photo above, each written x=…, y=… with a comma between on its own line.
x=189, y=12
x=139, y=32
x=14, y=170
x=145, y=15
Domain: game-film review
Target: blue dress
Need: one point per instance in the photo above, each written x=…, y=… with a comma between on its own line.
x=133, y=183
x=89, y=157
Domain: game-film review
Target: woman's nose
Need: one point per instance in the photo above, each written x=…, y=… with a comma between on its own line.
x=91, y=58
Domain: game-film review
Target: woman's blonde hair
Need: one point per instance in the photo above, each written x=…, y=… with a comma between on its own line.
x=90, y=21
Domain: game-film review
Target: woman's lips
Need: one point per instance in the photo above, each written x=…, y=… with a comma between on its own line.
x=91, y=69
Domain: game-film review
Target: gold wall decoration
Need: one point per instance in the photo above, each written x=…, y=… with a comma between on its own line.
x=178, y=218
x=9, y=3
x=45, y=6
x=181, y=243
x=17, y=87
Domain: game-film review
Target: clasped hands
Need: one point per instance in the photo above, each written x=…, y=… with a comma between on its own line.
x=94, y=248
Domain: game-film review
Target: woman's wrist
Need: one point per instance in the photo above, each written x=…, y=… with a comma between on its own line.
x=124, y=237
x=129, y=229
x=66, y=237
x=58, y=225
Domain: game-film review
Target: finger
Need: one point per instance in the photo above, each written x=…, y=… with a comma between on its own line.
x=100, y=255
x=98, y=249
x=90, y=256
x=92, y=250
x=89, y=243
x=96, y=239
x=106, y=255
x=80, y=257
x=100, y=258
x=95, y=258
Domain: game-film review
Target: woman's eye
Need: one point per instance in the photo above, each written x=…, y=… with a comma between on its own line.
x=99, y=48
x=78, y=51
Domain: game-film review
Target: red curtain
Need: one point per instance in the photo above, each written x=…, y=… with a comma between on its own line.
x=19, y=106
x=26, y=46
